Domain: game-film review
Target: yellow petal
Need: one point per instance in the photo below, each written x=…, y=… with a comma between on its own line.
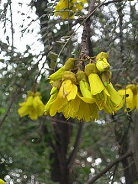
x=72, y=93
x=85, y=99
x=53, y=90
x=128, y=97
x=37, y=102
x=23, y=111
x=114, y=95
x=94, y=111
x=100, y=99
x=58, y=74
x=50, y=101
x=29, y=100
x=96, y=84
x=65, y=88
x=72, y=108
x=84, y=112
x=56, y=105
x=84, y=89
x=33, y=114
x=2, y=182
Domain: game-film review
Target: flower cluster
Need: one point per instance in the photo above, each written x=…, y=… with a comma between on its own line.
x=129, y=97
x=32, y=106
x=68, y=8
x=81, y=93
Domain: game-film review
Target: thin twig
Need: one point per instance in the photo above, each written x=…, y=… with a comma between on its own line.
x=109, y=2
x=93, y=179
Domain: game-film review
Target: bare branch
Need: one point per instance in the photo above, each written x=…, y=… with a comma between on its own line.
x=93, y=179
x=76, y=146
x=109, y=2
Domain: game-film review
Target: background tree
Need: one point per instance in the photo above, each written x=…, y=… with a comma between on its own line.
x=53, y=149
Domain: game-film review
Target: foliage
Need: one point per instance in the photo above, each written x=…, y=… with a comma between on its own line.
x=27, y=147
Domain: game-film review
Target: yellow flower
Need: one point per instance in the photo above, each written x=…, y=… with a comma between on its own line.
x=33, y=106
x=129, y=97
x=2, y=182
x=68, y=8
x=67, y=92
x=68, y=101
x=101, y=62
x=106, y=97
x=134, y=89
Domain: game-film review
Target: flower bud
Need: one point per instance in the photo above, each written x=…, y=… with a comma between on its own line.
x=69, y=64
x=102, y=55
x=119, y=86
x=58, y=74
x=102, y=64
x=81, y=76
x=56, y=83
x=91, y=68
x=69, y=75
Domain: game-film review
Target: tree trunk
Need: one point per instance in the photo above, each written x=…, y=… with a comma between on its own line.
x=62, y=131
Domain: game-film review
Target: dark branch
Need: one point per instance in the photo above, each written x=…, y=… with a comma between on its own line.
x=92, y=180
x=109, y=2
x=76, y=146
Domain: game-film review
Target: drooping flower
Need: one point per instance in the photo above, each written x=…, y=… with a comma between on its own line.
x=129, y=97
x=67, y=92
x=105, y=95
x=68, y=8
x=32, y=106
x=80, y=93
x=70, y=102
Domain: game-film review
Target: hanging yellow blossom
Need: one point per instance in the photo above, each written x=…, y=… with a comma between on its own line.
x=32, y=106
x=68, y=8
x=129, y=97
x=67, y=92
x=103, y=92
x=82, y=93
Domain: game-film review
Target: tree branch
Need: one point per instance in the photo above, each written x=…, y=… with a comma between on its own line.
x=109, y=2
x=76, y=146
x=93, y=179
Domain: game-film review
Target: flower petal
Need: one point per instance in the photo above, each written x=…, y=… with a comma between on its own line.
x=96, y=84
